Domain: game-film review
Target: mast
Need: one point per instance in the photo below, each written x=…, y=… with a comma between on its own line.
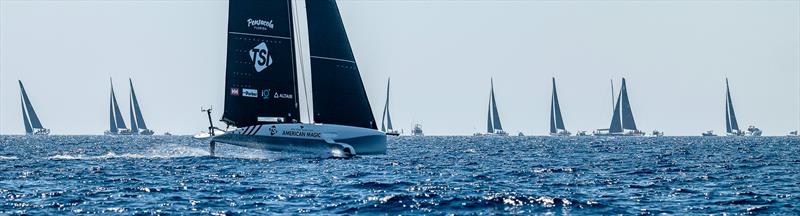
x=339, y=94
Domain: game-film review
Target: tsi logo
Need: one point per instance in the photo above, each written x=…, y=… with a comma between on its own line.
x=249, y=92
x=261, y=57
x=273, y=130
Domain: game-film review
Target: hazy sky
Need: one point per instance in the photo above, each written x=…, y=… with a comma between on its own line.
x=440, y=55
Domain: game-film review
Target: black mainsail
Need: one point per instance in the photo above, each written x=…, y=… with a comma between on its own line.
x=731, y=125
x=136, y=112
x=386, y=120
x=493, y=119
x=260, y=79
x=28, y=114
x=339, y=95
x=623, y=115
x=115, y=117
x=556, y=121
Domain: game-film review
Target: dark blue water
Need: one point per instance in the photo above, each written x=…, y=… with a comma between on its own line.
x=430, y=175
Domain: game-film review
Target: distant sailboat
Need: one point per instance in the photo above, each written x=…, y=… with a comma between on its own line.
x=137, y=121
x=622, y=123
x=493, y=126
x=32, y=124
x=731, y=124
x=262, y=77
x=556, y=121
x=116, y=123
x=386, y=120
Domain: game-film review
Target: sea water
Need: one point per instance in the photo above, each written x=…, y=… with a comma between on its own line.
x=127, y=175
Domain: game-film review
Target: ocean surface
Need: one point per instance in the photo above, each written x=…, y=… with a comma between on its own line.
x=59, y=175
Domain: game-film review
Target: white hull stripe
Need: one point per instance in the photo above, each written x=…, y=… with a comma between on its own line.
x=246, y=130
x=255, y=130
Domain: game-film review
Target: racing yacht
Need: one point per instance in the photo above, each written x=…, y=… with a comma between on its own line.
x=493, y=126
x=137, y=120
x=556, y=121
x=386, y=120
x=32, y=124
x=266, y=63
x=622, y=122
x=116, y=123
x=731, y=124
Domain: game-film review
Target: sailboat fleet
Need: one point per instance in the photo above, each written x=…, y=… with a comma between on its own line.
x=117, y=124
x=266, y=65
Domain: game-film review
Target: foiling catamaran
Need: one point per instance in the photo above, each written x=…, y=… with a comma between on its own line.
x=493, y=126
x=622, y=123
x=731, y=125
x=32, y=124
x=262, y=78
x=556, y=121
x=386, y=120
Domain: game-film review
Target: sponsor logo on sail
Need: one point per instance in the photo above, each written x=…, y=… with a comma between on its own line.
x=265, y=94
x=283, y=96
x=260, y=24
x=249, y=92
x=261, y=57
x=234, y=92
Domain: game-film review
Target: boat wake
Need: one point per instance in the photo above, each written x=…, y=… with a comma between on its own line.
x=237, y=152
x=8, y=158
x=164, y=152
